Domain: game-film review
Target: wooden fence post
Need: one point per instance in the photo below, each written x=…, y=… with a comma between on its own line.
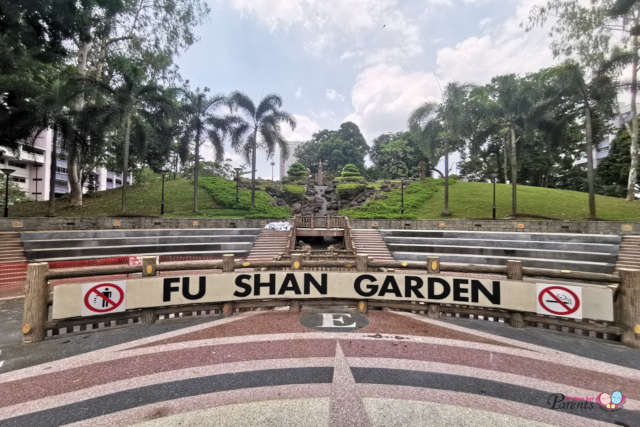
x=36, y=299
x=628, y=306
x=149, y=264
x=433, y=265
x=514, y=270
x=362, y=262
x=228, y=263
x=296, y=261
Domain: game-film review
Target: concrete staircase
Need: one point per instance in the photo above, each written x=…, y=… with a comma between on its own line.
x=79, y=245
x=13, y=266
x=268, y=245
x=370, y=242
x=629, y=255
x=579, y=252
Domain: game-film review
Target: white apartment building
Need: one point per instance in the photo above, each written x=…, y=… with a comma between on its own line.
x=32, y=166
x=286, y=163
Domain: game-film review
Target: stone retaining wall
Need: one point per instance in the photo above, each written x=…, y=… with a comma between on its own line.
x=101, y=223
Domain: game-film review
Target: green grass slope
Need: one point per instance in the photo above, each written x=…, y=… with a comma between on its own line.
x=425, y=200
x=216, y=199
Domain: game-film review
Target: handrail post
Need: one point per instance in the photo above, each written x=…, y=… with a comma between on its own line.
x=433, y=265
x=149, y=266
x=36, y=301
x=514, y=270
x=228, y=263
x=627, y=311
x=296, y=261
x=362, y=262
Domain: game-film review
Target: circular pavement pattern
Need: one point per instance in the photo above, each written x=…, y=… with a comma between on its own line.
x=268, y=368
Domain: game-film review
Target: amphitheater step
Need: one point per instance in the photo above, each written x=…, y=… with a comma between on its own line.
x=13, y=267
x=370, y=242
x=629, y=255
x=269, y=245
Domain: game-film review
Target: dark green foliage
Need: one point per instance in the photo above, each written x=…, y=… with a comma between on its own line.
x=349, y=191
x=297, y=172
x=613, y=170
x=335, y=148
x=350, y=173
x=397, y=155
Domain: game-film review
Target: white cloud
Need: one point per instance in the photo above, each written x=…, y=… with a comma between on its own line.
x=341, y=28
x=305, y=128
x=384, y=96
x=334, y=95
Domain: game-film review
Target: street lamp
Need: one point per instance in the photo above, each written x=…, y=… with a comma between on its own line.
x=237, y=182
x=163, y=172
x=402, y=196
x=272, y=165
x=493, y=206
x=7, y=172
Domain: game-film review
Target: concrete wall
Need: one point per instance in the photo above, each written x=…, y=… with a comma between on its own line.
x=587, y=227
x=538, y=226
x=104, y=223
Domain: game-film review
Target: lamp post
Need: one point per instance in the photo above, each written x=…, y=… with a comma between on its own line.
x=272, y=165
x=493, y=206
x=402, y=196
x=237, y=182
x=7, y=172
x=163, y=172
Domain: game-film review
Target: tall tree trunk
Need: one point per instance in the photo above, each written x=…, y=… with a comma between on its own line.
x=589, y=148
x=505, y=160
x=125, y=161
x=196, y=170
x=446, y=212
x=633, y=167
x=254, y=149
x=52, y=171
x=73, y=156
x=514, y=174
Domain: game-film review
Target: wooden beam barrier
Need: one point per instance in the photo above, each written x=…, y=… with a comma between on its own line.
x=149, y=266
x=627, y=308
x=362, y=262
x=67, y=273
x=514, y=270
x=36, y=307
x=228, y=263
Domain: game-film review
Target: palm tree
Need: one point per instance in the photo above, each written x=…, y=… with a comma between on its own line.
x=261, y=123
x=200, y=119
x=443, y=128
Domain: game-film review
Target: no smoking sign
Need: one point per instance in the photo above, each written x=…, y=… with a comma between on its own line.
x=103, y=297
x=557, y=300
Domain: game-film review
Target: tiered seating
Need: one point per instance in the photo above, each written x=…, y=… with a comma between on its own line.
x=75, y=245
x=579, y=252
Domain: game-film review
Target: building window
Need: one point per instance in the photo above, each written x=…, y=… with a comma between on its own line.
x=110, y=180
x=118, y=182
x=61, y=183
x=17, y=164
x=61, y=170
x=18, y=179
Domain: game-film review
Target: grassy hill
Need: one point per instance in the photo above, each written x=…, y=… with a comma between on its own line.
x=216, y=199
x=425, y=200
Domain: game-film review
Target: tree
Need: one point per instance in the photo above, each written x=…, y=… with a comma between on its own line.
x=350, y=172
x=397, y=154
x=200, y=119
x=588, y=32
x=259, y=123
x=335, y=148
x=297, y=172
x=613, y=170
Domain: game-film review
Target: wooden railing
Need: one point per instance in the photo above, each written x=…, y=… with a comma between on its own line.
x=625, y=284
x=311, y=221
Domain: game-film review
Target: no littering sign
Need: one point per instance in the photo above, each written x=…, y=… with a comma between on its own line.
x=556, y=300
x=103, y=298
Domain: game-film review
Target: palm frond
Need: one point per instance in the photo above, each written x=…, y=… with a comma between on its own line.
x=240, y=100
x=421, y=114
x=271, y=102
x=216, y=138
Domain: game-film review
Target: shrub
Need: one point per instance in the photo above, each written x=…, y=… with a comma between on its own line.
x=224, y=193
x=295, y=191
x=297, y=172
x=350, y=190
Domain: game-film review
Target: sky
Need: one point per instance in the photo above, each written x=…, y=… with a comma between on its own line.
x=368, y=61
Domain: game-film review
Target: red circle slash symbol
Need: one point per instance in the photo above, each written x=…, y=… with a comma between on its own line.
x=559, y=298
x=108, y=302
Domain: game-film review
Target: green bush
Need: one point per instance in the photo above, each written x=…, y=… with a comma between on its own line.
x=295, y=191
x=224, y=193
x=350, y=190
x=350, y=170
x=415, y=196
x=297, y=172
